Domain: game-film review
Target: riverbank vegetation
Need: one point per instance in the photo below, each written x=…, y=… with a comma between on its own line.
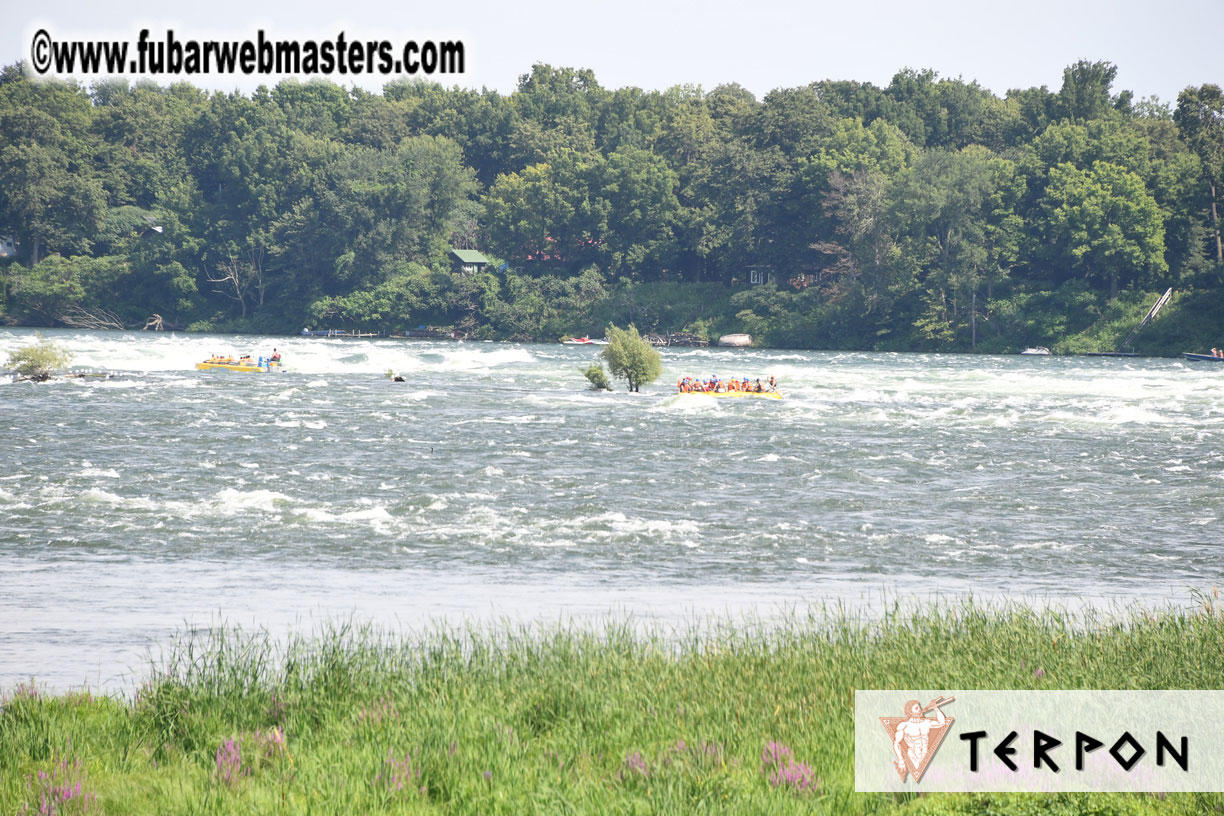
x=717, y=718
x=929, y=214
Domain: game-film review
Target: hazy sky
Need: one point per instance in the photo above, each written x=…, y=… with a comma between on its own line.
x=1159, y=47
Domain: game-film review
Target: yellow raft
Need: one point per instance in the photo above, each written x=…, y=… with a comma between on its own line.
x=748, y=394
x=253, y=368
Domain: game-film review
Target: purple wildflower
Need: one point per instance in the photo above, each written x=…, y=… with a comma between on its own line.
x=634, y=766
x=229, y=769
x=270, y=744
x=795, y=776
x=399, y=776
x=383, y=709
x=782, y=771
x=774, y=754
x=60, y=790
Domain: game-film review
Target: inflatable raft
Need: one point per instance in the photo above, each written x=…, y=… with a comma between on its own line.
x=261, y=366
x=736, y=394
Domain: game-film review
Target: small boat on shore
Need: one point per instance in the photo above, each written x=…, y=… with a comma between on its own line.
x=1036, y=350
x=1202, y=358
x=583, y=341
x=263, y=365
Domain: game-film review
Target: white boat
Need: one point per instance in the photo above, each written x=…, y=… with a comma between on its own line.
x=1036, y=350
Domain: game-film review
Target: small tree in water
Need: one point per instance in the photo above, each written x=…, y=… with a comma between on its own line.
x=36, y=362
x=631, y=358
x=598, y=377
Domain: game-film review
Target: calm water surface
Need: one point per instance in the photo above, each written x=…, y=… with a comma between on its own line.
x=492, y=485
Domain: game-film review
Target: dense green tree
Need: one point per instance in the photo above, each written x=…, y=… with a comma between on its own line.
x=376, y=121
x=1200, y=117
x=543, y=215
x=629, y=117
x=1086, y=92
x=869, y=272
x=1102, y=223
x=943, y=205
x=58, y=288
x=636, y=210
x=319, y=108
x=631, y=358
x=550, y=95
x=50, y=196
x=1035, y=109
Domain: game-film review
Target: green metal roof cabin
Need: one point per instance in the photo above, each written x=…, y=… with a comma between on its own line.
x=469, y=261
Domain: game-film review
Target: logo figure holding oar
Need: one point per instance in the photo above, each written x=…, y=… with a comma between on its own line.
x=916, y=737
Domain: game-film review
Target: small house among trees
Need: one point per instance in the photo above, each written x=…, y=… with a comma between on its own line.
x=758, y=275
x=467, y=261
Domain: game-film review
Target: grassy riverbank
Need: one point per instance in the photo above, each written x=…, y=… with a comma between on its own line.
x=567, y=721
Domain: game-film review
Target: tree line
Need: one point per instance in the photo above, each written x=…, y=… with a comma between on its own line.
x=926, y=214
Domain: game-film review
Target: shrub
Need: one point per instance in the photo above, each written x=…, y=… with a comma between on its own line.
x=598, y=377
x=37, y=361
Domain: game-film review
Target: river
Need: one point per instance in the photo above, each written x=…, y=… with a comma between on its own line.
x=493, y=486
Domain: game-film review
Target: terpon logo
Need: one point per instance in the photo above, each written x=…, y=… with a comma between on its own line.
x=916, y=737
x=1052, y=740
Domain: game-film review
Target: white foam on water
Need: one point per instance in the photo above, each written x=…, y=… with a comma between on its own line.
x=688, y=404
x=413, y=395
x=229, y=502
x=112, y=385
x=1039, y=545
x=91, y=472
x=1135, y=414
x=96, y=495
x=369, y=515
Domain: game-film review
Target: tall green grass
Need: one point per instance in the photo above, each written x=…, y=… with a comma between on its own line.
x=609, y=719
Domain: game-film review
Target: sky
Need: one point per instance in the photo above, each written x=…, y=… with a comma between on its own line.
x=1159, y=48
